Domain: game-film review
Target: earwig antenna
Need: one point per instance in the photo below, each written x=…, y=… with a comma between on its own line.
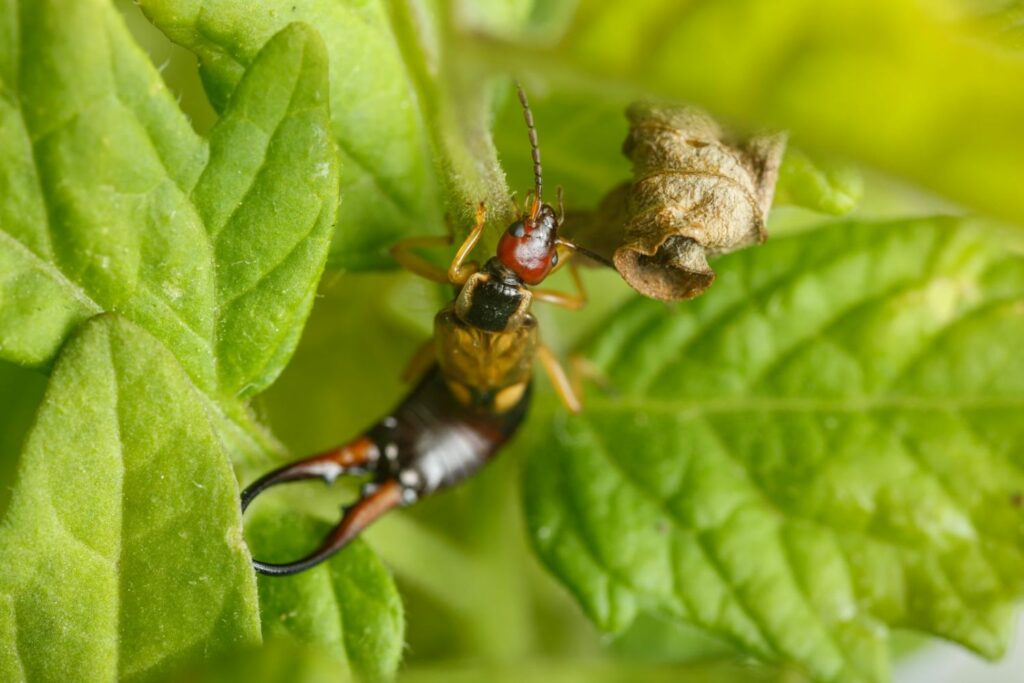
x=593, y=256
x=534, y=145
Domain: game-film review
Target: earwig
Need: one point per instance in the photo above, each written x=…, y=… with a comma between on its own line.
x=475, y=384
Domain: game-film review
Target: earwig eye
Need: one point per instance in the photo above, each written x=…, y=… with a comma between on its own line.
x=517, y=229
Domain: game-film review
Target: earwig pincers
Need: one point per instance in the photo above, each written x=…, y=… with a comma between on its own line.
x=475, y=374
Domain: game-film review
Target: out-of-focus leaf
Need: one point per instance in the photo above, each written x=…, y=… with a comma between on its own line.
x=498, y=17
x=590, y=672
x=653, y=638
x=122, y=558
x=21, y=390
x=829, y=446
x=580, y=142
x=356, y=344
x=1000, y=20
x=883, y=83
x=277, y=661
x=109, y=202
x=348, y=606
x=821, y=186
x=387, y=181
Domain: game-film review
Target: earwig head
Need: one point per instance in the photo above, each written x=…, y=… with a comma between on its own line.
x=528, y=247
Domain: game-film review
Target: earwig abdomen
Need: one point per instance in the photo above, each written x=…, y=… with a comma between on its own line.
x=432, y=441
x=429, y=442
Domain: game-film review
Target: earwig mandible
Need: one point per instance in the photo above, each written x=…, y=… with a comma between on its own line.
x=475, y=374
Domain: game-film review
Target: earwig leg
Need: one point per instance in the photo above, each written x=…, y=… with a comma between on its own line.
x=403, y=253
x=564, y=387
x=458, y=273
x=357, y=517
x=571, y=301
x=581, y=368
x=420, y=362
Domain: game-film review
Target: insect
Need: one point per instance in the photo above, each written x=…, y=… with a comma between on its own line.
x=475, y=374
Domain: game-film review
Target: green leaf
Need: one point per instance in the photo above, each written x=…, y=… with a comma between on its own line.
x=274, y=662
x=109, y=202
x=267, y=199
x=458, y=100
x=570, y=671
x=386, y=180
x=124, y=524
x=1001, y=21
x=123, y=558
x=829, y=446
x=95, y=160
x=891, y=85
x=821, y=186
x=21, y=390
x=348, y=607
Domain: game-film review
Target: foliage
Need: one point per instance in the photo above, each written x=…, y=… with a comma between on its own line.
x=820, y=449
x=194, y=265
x=846, y=416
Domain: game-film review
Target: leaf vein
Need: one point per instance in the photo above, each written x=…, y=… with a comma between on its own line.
x=680, y=525
x=54, y=272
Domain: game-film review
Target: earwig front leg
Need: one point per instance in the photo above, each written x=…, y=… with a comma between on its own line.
x=457, y=272
x=403, y=253
x=573, y=302
x=420, y=362
x=564, y=387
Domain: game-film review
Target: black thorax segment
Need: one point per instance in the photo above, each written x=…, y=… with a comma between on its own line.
x=493, y=299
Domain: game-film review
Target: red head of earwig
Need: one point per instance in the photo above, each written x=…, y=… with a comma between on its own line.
x=529, y=246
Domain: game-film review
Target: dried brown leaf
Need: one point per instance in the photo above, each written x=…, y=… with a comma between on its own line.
x=696, y=192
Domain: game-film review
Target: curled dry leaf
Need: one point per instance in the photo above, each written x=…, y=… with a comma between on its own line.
x=695, y=193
